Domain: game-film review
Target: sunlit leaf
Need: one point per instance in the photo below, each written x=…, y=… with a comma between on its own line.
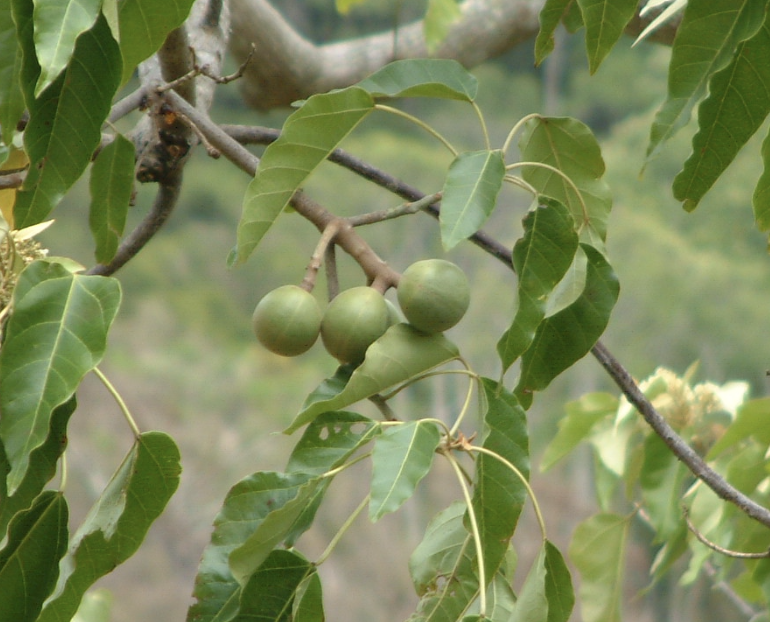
x=566, y=337
x=581, y=416
x=672, y=10
x=568, y=145
x=662, y=479
x=751, y=421
x=29, y=561
x=112, y=183
x=705, y=41
x=144, y=26
x=605, y=21
x=118, y=522
x=598, y=551
x=11, y=97
x=96, y=606
x=402, y=456
x=42, y=466
x=550, y=16
x=57, y=25
x=65, y=122
x=57, y=333
x=470, y=194
x=558, y=585
x=439, y=18
x=309, y=135
x=736, y=107
x=422, y=77
x=541, y=258
x=400, y=354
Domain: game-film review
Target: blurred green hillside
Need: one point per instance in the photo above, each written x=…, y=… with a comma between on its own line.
x=694, y=287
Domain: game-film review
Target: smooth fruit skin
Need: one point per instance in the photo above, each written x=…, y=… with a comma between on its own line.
x=434, y=295
x=287, y=320
x=352, y=322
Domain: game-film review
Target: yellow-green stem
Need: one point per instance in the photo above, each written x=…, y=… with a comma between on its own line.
x=121, y=404
x=515, y=129
x=341, y=532
x=419, y=123
x=565, y=177
x=467, y=403
x=483, y=123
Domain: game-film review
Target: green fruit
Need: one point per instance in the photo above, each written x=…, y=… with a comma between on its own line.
x=352, y=322
x=434, y=295
x=287, y=320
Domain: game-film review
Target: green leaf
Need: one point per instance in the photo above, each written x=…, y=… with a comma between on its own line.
x=568, y=145
x=42, y=466
x=662, y=480
x=568, y=290
x=705, y=41
x=550, y=16
x=11, y=97
x=737, y=105
x=112, y=184
x=330, y=387
x=57, y=25
x=532, y=604
x=57, y=333
x=309, y=135
x=598, y=551
x=558, y=585
x=580, y=419
x=245, y=508
x=605, y=21
x=564, y=338
x=761, y=199
x=541, y=258
x=308, y=602
x=399, y=355
x=750, y=422
x=499, y=494
x=439, y=18
x=277, y=524
x=402, y=456
x=144, y=26
x=470, y=194
x=29, y=561
x=422, y=77
x=118, y=522
x=65, y=122
x=270, y=592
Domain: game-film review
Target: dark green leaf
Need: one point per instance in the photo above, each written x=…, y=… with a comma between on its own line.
x=598, y=551
x=558, y=585
x=144, y=26
x=564, y=338
x=568, y=145
x=541, y=259
x=11, y=96
x=42, y=466
x=308, y=603
x=550, y=16
x=112, y=183
x=605, y=21
x=737, y=105
x=331, y=386
x=399, y=355
x=57, y=333
x=439, y=18
x=118, y=522
x=65, y=122
x=499, y=494
x=309, y=135
x=29, y=561
x=422, y=77
x=705, y=41
x=402, y=456
x=470, y=194
x=662, y=480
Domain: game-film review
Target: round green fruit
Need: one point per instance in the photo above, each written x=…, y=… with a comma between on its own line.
x=352, y=322
x=287, y=320
x=434, y=295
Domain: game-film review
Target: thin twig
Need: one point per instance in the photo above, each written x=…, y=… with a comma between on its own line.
x=14, y=180
x=715, y=547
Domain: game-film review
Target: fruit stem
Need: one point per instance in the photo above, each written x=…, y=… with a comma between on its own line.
x=311, y=272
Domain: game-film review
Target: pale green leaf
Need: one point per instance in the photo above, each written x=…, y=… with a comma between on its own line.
x=737, y=106
x=541, y=258
x=29, y=561
x=57, y=333
x=344, y=6
x=550, y=16
x=662, y=480
x=568, y=145
x=439, y=18
x=96, y=606
x=118, y=522
x=11, y=97
x=112, y=184
x=705, y=41
x=558, y=585
x=422, y=77
x=308, y=602
x=761, y=198
x=144, y=26
x=605, y=21
x=58, y=23
x=469, y=194
x=532, y=604
x=402, y=456
x=751, y=421
x=598, y=551
x=309, y=135
x=399, y=355
x=65, y=122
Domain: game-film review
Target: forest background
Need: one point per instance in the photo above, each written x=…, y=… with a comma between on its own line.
x=184, y=352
